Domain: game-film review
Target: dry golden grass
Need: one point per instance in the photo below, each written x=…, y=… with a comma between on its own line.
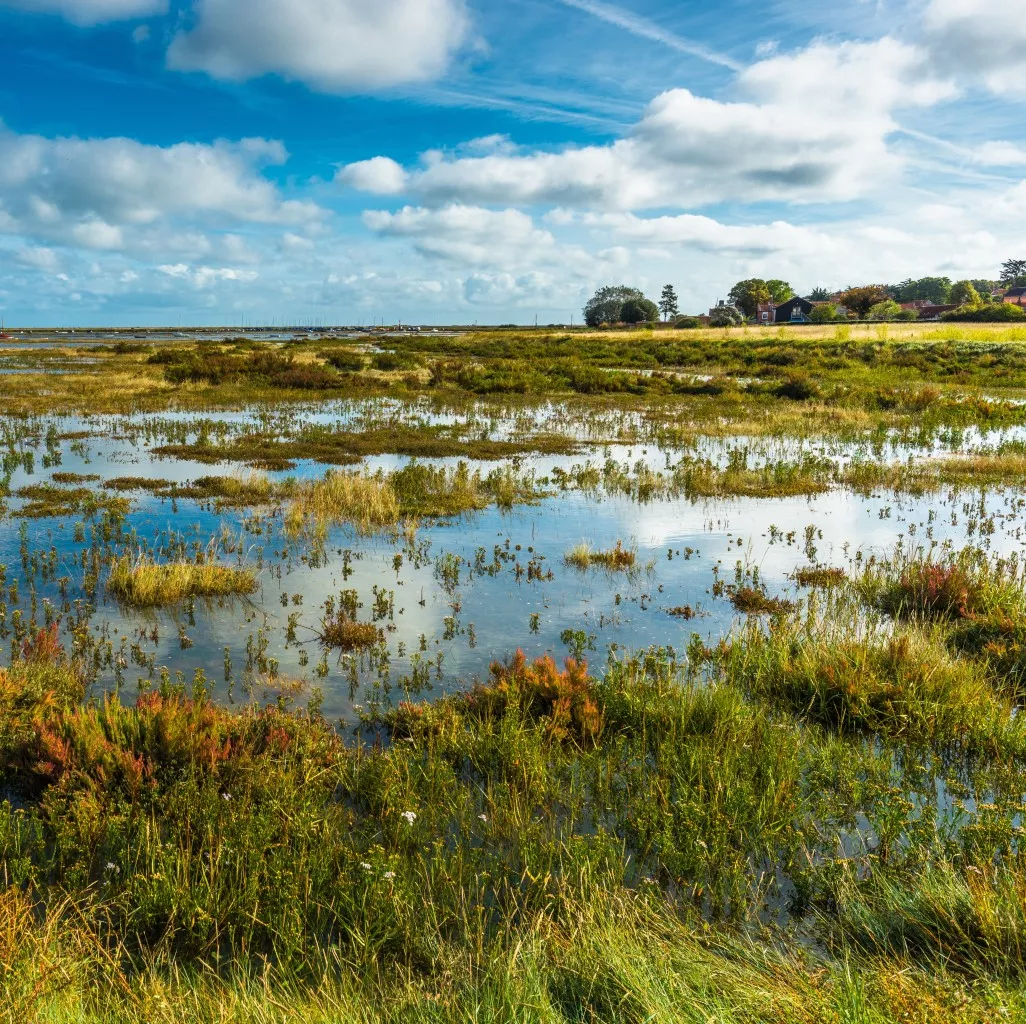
x=145, y=584
x=617, y=559
x=362, y=500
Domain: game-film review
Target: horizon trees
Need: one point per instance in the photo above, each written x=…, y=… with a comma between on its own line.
x=606, y=305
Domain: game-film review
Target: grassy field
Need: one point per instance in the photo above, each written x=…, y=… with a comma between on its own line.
x=808, y=808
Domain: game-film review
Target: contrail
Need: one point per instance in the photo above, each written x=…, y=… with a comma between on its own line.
x=649, y=30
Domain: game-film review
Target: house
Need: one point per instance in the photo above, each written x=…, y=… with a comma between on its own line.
x=932, y=311
x=1015, y=296
x=794, y=311
x=766, y=313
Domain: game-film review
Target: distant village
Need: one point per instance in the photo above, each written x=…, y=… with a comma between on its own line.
x=799, y=310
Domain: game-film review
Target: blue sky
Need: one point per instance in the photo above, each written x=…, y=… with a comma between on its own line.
x=346, y=161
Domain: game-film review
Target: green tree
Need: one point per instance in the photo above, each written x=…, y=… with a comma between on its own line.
x=748, y=295
x=639, y=311
x=726, y=316
x=1013, y=273
x=926, y=289
x=668, y=303
x=606, y=305
x=963, y=293
x=780, y=291
x=994, y=312
x=826, y=313
x=862, y=299
x=886, y=310
x=819, y=294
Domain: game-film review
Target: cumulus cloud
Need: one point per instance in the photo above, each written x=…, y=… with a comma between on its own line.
x=705, y=234
x=983, y=39
x=380, y=176
x=809, y=126
x=97, y=192
x=464, y=234
x=331, y=45
x=91, y=12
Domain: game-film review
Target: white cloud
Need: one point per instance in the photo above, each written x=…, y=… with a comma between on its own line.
x=331, y=45
x=465, y=234
x=92, y=12
x=984, y=39
x=707, y=235
x=815, y=129
x=998, y=154
x=206, y=277
x=380, y=176
x=113, y=193
x=39, y=258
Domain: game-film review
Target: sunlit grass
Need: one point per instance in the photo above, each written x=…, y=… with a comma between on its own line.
x=146, y=584
x=617, y=559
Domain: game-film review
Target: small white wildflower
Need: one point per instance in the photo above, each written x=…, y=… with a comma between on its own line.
x=111, y=866
x=366, y=866
x=389, y=875
x=484, y=818
x=226, y=796
x=410, y=817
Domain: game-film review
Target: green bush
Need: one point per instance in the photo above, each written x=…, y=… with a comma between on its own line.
x=995, y=312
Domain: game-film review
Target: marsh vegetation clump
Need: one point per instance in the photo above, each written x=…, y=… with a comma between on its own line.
x=819, y=576
x=369, y=502
x=343, y=633
x=755, y=601
x=47, y=500
x=617, y=559
x=365, y=501
x=146, y=584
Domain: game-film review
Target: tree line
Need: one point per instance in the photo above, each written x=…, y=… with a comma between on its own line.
x=624, y=304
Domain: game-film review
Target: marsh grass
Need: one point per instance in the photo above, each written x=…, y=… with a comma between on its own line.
x=369, y=502
x=46, y=500
x=1006, y=468
x=617, y=559
x=754, y=601
x=364, y=501
x=145, y=584
x=342, y=633
x=548, y=839
x=818, y=576
x=976, y=604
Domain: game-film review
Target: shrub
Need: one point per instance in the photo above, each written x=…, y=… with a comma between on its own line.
x=798, y=388
x=726, y=316
x=391, y=361
x=345, y=359
x=994, y=312
x=826, y=313
x=886, y=310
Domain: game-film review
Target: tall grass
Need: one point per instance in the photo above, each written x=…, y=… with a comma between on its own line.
x=616, y=559
x=146, y=584
x=363, y=500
